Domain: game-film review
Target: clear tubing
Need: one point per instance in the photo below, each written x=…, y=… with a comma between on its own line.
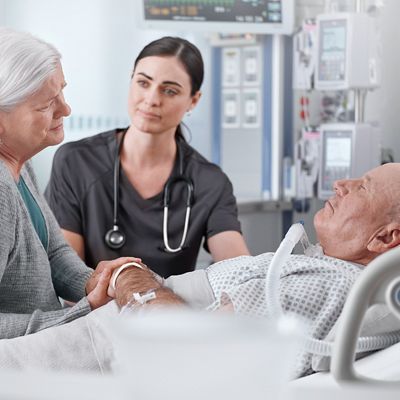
x=315, y=346
x=365, y=343
x=293, y=235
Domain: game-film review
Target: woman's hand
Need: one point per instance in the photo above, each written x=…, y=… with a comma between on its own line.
x=97, y=284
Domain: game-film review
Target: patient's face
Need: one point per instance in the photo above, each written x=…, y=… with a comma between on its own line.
x=358, y=211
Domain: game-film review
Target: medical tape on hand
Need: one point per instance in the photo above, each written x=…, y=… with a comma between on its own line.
x=137, y=299
x=121, y=268
x=142, y=299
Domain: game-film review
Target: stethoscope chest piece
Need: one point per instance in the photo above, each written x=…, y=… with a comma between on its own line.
x=114, y=238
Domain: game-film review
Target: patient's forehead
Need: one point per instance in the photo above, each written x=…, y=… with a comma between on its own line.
x=385, y=173
x=384, y=181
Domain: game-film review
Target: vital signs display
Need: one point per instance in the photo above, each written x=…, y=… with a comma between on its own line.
x=244, y=16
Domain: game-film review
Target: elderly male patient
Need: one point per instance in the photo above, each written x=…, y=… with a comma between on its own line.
x=361, y=221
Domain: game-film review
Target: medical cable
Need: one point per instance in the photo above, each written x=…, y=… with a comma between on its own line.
x=295, y=234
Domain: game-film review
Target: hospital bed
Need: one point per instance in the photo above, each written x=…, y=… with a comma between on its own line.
x=379, y=372
x=368, y=377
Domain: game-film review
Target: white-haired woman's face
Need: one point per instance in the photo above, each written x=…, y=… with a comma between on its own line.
x=37, y=122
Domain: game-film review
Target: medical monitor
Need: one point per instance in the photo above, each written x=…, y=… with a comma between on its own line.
x=336, y=157
x=230, y=16
x=348, y=150
x=347, y=52
x=332, y=50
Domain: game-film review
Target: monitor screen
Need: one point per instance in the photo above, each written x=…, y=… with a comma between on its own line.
x=336, y=157
x=338, y=152
x=332, y=50
x=247, y=16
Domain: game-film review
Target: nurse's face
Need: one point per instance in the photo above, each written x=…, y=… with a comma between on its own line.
x=160, y=95
x=356, y=222
x=37, y=122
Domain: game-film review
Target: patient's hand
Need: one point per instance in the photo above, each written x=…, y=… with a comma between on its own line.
x=97, y=284
x=138, y=280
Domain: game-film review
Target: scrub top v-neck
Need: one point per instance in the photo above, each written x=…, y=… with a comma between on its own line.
x=80, y=193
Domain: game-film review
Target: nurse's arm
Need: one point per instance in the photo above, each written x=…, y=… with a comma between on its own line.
x=76, y=241
x=228, y=244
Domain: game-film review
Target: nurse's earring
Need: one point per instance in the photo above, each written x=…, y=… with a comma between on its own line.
x=189, y=112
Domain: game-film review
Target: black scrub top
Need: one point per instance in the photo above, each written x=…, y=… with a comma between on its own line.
x=80, y=193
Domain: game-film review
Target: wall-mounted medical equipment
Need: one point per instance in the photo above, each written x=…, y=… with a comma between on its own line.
x=230, y=108
x=304, y=56
x=347, y=52
x=251, y=65
x=307, y=163
x=347, y=151
x=247, y=16
x=251, y=108
x=240, y=74
x=231, y=66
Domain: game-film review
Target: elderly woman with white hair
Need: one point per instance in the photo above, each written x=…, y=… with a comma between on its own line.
x=36, y=264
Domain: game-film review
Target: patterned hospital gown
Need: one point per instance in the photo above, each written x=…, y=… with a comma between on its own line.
x=315, y=288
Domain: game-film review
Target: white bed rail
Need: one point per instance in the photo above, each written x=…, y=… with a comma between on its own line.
x=378, y=284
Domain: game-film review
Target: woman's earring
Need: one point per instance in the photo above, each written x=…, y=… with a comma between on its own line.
x=189, y=113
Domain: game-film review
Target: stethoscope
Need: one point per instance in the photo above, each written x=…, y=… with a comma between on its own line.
x=115, y=238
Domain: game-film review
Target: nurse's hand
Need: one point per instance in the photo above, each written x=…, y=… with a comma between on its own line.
x=97, y=284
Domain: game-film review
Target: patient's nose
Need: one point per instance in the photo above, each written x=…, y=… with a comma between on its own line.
x=340, y=187
x=344, y=186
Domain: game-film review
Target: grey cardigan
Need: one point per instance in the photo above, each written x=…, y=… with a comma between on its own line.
x=32, y=277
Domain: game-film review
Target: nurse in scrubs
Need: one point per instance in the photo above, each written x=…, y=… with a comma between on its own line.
x=143, y=189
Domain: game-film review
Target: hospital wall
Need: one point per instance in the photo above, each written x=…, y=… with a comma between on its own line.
x=99, y=40
x=383, y=105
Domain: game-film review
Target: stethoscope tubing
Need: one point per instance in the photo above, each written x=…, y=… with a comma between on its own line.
x=115, y=238
x=165, y=231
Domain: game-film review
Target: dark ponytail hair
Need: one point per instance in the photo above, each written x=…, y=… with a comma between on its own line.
x=189, y=56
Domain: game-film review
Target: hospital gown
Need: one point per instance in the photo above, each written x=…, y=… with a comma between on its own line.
x=315, y=288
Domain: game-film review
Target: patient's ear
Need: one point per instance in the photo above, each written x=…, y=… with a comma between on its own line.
x=384, y=240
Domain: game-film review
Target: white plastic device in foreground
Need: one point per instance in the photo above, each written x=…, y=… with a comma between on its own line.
x=178, y=354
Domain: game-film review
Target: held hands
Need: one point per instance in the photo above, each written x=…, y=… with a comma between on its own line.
x=134, y=279
x=141, y=280
x=97, y=284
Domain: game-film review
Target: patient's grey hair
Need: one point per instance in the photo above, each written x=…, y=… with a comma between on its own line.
x=25, y=64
